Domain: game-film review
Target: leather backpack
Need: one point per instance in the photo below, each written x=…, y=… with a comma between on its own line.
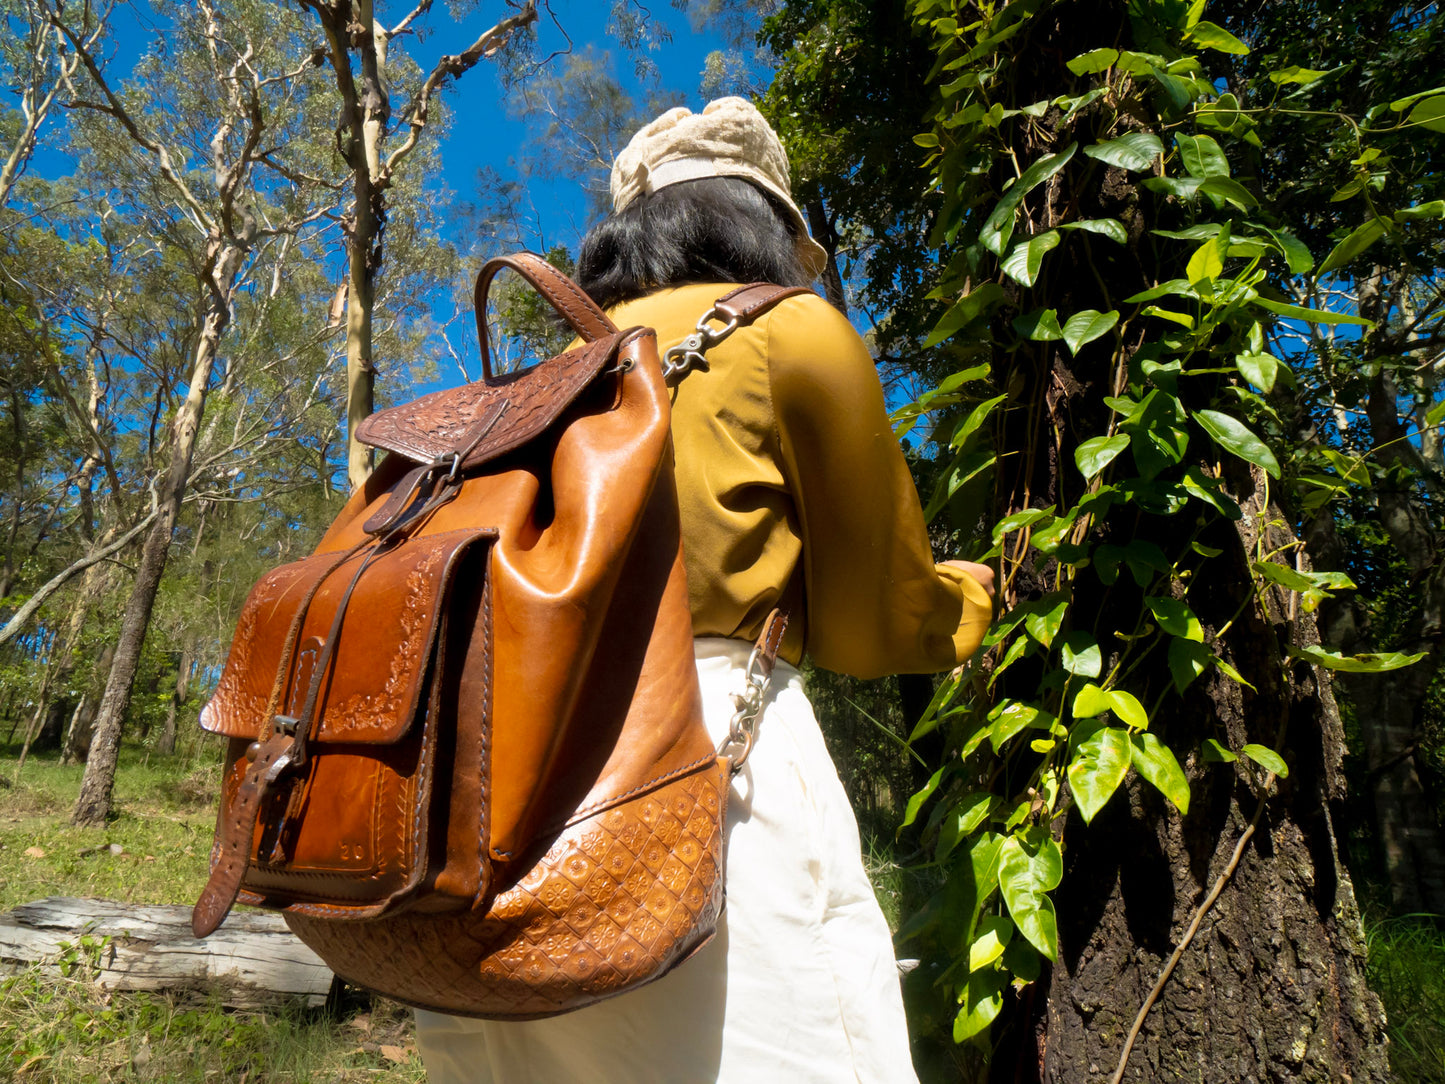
x=467, y=757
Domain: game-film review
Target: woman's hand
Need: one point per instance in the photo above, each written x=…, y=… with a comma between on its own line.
x=982, y=573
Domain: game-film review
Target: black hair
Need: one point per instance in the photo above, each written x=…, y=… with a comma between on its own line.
x=714, y=229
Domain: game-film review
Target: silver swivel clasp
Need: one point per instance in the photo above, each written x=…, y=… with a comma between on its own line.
x=691, y=353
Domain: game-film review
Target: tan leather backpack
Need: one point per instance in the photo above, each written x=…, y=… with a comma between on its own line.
x=467, y=755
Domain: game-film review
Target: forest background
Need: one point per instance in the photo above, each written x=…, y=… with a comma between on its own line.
x=1154, y=287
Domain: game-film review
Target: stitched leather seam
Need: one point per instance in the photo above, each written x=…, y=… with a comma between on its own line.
x=587, y=305
x=607, y=803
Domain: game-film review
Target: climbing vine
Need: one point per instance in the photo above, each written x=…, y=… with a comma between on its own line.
x=1100, y=229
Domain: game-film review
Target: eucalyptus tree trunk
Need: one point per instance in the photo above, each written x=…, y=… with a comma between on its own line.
x=93, y=805
x=358, y=43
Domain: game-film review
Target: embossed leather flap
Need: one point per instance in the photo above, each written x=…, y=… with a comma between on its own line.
x=383, y=656
x=446, y=421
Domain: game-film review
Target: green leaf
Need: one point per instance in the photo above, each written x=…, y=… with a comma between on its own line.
x=1096, y=453
x=1187, y=660
x=1231, y=672
x=915, y=803
x=1267, y=759
x=1013, y=718
x=998, y=227
x=1041, y=325
x=1135, y=151
x=990, y=938
x=978, y=302
x=1085, y=327
x=1313, y=316
x=1229, y=190
x=1399, y=105
x=1025, y=876
x=1295, y=74
x=976, y=417
x=1093, y=62
x=1024, y=260
x=1215, y=37
x=1111, y=228
x=1259, y=369
x=1127, y=707
x=1175, y=618
x=1297, y=256
x=1207, y=490
x=962, y=820
x=982, y=1001
x=1019, y=520
x=1430, y=114
x=1206, y=263
x=1183, y=319
x=1090, y=701
x=1434, y=209
x=1100, y=764
x=1217, y=753
x=1357, y=664
x=1080, y=654
x=1156, y=762
x=1172, y=288
x=1357, y=242
x=1202, y=156
x=1186, y=188
x=1044, y=625
x=1234, y=436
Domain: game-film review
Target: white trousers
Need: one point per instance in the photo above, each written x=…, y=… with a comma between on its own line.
x=798, y=986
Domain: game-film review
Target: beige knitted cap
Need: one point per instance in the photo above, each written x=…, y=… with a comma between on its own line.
x=729, y=138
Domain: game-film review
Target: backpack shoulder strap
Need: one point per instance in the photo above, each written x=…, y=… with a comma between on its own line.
x=735, y=309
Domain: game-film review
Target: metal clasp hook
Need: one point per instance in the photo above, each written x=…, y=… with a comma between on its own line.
x=742, y=731
x=691, y=353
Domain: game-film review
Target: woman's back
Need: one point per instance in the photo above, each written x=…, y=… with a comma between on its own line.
x=795, y=494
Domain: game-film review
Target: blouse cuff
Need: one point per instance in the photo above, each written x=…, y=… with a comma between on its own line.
x=977, y=612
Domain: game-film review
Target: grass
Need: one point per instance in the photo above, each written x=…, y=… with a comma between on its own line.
x=164, y=817
x=67, y=1029
x=1407, y=970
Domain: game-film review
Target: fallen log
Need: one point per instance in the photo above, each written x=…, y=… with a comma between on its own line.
x=253, y=960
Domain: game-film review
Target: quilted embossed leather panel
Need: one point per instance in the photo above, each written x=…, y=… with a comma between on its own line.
x=618, y=900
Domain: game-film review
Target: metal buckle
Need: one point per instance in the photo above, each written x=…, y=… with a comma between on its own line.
x=691, y=353
x=451, y=461
x=742, y=731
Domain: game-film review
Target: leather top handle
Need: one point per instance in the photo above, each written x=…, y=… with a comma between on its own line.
x=564, y=295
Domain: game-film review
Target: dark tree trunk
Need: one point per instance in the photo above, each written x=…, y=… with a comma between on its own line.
x=1272, y=988
x=179, y=696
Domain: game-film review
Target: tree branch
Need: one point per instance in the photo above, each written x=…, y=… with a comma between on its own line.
x=22, y=615
x=453, y=67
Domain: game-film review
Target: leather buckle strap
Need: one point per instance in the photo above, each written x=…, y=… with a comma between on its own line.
x=268, y=761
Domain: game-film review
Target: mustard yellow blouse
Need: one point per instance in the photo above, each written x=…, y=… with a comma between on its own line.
x=795, y=493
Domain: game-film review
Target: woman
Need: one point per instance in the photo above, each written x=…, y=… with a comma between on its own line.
x=794, y=494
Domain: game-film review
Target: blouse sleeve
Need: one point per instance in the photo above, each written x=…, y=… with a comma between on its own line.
x=876, y=601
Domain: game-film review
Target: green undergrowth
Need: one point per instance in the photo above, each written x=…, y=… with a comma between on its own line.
x=162, y=823
x=1407, y=970
x=68, y=1030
